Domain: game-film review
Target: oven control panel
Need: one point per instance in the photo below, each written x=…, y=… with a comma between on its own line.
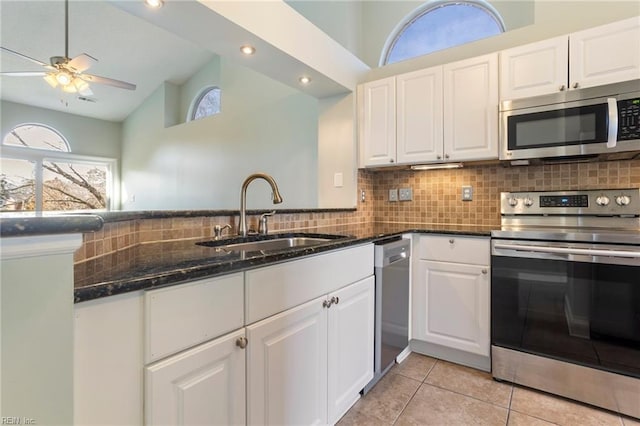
x=602, y=202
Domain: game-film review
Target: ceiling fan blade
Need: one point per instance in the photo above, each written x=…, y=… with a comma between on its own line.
x=82, y=62
x=35, y=61
x=108, y=81
x=23, y=74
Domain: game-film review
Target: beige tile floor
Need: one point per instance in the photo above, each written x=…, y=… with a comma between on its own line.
x=427, y=391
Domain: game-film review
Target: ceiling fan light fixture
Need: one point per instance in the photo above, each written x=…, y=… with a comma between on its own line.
x=64, y=78
x=154, y=4
x=51, y=79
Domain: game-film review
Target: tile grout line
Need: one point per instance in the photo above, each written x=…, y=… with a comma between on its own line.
x=414, y=393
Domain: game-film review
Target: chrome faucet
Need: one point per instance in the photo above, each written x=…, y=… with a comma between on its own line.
x=277, y=198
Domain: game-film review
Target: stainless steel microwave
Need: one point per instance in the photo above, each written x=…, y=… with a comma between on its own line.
x=598, y=120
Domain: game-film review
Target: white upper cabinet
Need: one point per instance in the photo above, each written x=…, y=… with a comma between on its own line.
x=379, y=118
x=593, y=57
x=419, y=116
x=605, y=54
x=534, y=69
x=471, y=109
x=439, y=114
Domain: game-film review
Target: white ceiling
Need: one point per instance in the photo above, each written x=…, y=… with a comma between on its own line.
x=127, y=48
x=146, y=48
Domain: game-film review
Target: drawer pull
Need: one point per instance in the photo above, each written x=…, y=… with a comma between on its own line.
x=451, y=241
x=327, y=303
x=484, y=272
x=335, y=299
x=241, y=342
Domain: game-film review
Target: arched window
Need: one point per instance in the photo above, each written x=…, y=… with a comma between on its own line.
x=439, y=25
x=39, y=173
x=205, y=104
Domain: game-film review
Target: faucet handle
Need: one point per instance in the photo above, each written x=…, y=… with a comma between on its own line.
x=262, y=225
x=217, y=230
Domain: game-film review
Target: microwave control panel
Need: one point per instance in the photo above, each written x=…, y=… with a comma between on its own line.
x=629, y=119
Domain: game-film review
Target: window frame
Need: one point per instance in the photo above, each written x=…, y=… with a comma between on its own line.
x=193, y=108
x=40, y=155
x=426, y=8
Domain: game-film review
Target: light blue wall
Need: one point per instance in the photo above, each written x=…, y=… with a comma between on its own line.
x=86, y=136
x=264, y=126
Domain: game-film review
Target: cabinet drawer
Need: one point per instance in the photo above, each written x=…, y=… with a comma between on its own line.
x=279, y=287
x=454, y=248
x=182, y=316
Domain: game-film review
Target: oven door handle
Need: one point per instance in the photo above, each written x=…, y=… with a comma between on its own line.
x=569, y=251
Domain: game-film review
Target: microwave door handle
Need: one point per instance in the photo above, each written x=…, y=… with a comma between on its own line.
x=612, y=134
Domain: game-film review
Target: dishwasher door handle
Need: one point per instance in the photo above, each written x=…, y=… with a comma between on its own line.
x=396, y=258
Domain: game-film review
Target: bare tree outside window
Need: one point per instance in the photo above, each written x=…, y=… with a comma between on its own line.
x=66, y=184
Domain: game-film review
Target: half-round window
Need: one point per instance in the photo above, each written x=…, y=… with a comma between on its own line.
x=439, y=25
x=36, y=136
x=207, y=103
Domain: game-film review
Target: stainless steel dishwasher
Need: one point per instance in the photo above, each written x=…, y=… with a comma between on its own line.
x=391, y=336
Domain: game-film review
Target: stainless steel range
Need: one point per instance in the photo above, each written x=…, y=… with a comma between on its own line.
x=565, y=295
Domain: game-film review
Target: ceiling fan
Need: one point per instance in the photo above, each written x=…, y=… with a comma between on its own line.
x=65, y=72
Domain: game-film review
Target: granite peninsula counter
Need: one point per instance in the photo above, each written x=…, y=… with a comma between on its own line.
x=154, y=264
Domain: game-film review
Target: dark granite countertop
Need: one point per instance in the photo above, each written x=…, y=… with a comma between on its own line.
x=22, y=224
x=26, y=224
x=153, y=265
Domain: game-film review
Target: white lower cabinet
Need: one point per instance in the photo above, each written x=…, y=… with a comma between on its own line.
x=451, y=299
x=455, y=306
x=308, y=364
x=204, y=385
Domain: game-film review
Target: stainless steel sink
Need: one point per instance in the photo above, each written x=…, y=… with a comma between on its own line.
x=277, y=244
x=271, y=244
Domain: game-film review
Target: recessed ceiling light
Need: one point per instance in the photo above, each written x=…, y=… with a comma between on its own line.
x=304, y=79
x=154, y=4
x=248, y=49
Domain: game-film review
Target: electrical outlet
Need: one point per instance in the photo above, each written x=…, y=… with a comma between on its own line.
x=467, y=193
x=393, y=195
x=405, y=194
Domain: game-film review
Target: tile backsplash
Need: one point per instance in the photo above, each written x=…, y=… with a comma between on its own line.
x=436, y=199
x=437, y=194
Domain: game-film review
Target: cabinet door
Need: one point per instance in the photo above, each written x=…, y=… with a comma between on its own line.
x=419, y=116
x=451, y=306
x=204, y=385
x=605, y=54
x=471, y=109
x=350, y=346
x=379, y=135
x=287, y=367
x=534, y=69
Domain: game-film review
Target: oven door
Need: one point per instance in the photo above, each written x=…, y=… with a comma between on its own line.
x=573, y=302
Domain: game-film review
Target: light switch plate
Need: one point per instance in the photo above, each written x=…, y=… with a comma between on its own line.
x=405, y=194
x=393, y=195
x=467, y=193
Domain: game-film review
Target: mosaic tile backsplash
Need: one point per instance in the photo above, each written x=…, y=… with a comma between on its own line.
x=436, y=199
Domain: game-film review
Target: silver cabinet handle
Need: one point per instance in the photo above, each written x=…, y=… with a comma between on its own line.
x=439, y=157
x=451, y=241
x=562, y=88
x=241, y=342
x=391, y=160
x=575, y=85
x=327, y=303
x=335, y=299
x=446, y=156
x=484, y=272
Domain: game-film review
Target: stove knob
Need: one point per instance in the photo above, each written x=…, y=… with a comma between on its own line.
x=602, y=200
x=622, y=200
x=513, y=201
x=528, y=201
